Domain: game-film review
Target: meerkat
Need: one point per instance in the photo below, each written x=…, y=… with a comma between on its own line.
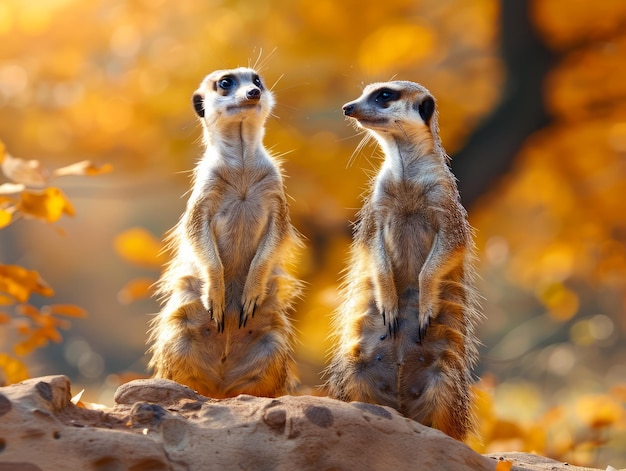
x=223, y=328
x=404, y=332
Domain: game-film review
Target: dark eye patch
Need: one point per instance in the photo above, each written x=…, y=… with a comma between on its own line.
x=257, y=81
x=384, y=96
x=226, y=83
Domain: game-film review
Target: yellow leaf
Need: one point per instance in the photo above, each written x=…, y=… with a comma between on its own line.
x=51, y=333
x=49, y=204
x=599, y=411
x=504, y=465
x=139, y=246
x=12, y=369
x=85, y=167
x=6, y=217
x=35, y=341
x=28, y=310
x=136, y=289
x=28, y=172
x=19, y=283
x=68, y=310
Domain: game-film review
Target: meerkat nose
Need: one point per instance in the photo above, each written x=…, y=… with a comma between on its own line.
x=348, y=109
x=253, y=93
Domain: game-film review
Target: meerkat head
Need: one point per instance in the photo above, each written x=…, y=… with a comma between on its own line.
x=228, y=96
x=395, y=109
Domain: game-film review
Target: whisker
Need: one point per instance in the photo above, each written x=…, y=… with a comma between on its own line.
x=276, y=82
x=261, y=62
x=360, y=146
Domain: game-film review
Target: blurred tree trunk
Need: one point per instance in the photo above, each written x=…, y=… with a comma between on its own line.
x=490, y=150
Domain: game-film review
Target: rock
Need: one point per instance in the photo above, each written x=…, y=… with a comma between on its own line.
x=160, y=425
x=526, y=461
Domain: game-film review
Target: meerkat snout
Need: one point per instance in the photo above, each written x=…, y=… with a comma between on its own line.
x=253, y=93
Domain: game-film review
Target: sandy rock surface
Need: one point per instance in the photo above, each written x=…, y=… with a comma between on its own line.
x=161, y=425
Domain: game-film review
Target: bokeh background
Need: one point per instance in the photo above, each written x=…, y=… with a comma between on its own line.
x=532, y=102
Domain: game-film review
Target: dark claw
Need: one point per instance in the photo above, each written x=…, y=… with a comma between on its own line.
x=242, y=320
x=220, y=325
x=422, y=331
x=384, y=318
x=211, y=312
x=253, y=309
x=394, y=328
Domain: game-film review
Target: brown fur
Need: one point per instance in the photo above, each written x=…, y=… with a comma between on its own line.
x=404, y=334
x=224, y=328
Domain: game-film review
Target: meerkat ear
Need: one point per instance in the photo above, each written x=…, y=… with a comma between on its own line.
x=426, y=108
x=198, y=104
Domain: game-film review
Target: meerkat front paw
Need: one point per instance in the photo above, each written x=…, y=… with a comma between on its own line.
x=253, y=295
x=214, y=302
x=388, y=309
x=426, y=312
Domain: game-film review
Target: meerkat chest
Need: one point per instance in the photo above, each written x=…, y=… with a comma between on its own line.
x=241, y=205
x=405, y=215
x=243, y=208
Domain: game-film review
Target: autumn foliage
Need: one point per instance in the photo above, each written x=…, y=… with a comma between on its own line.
x=111, y=82
x=34, y=326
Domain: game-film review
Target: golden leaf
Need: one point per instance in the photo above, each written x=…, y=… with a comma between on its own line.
x=139, y=246
x=19, y=283
x=599, y=411
x=35, y=341
x=51, y=333
x=6, y=217
x=136, y=289
x=28, y=172
x=49, y=204
x=28, y=310
x=85, y=167
x=504, y=465
x=5, y=318
x=68, y=310
x=12, y=369
x=2, y=151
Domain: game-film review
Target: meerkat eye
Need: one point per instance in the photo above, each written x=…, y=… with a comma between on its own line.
x=386, y=95
x=226, y=83
x=257, y=81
